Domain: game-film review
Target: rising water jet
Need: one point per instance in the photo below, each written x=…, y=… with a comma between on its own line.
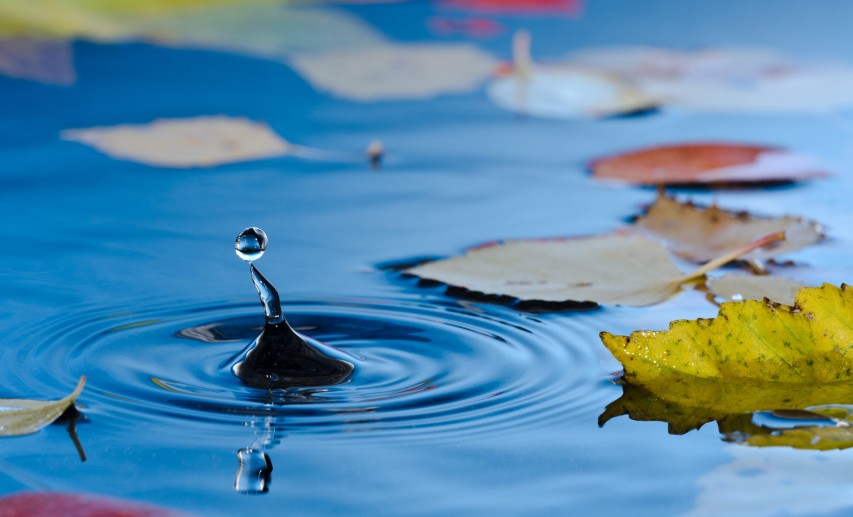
x=279, y=357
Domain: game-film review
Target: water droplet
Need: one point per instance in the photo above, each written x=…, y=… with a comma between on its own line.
x=253, y=473
x=251, y=244
x=737, y=297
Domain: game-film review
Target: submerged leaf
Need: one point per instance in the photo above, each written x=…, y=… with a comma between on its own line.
x=707, y=163
x=703, y=233
x=609, y=269
x=22, y=416
x=751, y=287
x=45, y=61
x=179, y=143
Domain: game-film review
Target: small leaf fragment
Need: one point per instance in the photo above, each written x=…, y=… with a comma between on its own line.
x=606, y=269
x=702, y=233
x=751, y=287
x=23, y=416
x=709, y=163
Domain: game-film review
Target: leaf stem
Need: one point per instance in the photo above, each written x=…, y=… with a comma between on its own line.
x=733, y=255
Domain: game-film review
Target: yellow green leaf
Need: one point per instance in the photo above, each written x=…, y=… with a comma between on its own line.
x=22, y=416
x=807, y=346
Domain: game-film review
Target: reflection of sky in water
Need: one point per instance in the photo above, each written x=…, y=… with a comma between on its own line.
x=759, y=483
x=90, y=234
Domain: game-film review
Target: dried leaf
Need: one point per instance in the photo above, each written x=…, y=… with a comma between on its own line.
x=738, y=79
x=702, y=233
x=179, y=143
x=44, y=61
x=22, y=416
x=707, y=163
x=751, y=347
x=32, y=504
x=751, y=287
x=610, y=269
x=396, y=71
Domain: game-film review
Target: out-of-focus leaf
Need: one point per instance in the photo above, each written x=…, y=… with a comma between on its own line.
x=46, y=61
x=609, y=269
x=561, y=91
x=701, y=233
x=396, y=71
x=707, y=163
x=738, y=79
x=180, y=143
x=751, y=287
x=264, y=30
x=22, y=416
x=42, y=504
x=573, y=8
x=104, y=20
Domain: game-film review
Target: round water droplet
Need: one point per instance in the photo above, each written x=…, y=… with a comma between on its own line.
x=251, y=244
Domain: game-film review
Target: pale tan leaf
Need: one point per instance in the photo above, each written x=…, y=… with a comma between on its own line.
x=180, y=143
x=22, y=416
x=751, y=287
x=609, y=269
x=396, y=71
x=703, y=233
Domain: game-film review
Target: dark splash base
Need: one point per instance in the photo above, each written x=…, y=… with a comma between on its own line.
x=279, y=359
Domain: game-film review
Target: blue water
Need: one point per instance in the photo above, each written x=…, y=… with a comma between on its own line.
x=126, y=273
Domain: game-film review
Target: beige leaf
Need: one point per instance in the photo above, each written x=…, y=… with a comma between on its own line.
x=702, y=233
x=396, y=71
x=22, y=416
x=183, y=143
x=734, y=288
x=609, y=269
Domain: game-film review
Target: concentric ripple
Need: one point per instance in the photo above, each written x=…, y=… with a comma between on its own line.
x=420, y=368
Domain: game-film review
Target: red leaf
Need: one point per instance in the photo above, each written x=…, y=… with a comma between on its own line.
x=40, y=504
x=707, y=163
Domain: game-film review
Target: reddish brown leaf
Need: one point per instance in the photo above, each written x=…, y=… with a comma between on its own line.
x=707, y=163
x=37, y=504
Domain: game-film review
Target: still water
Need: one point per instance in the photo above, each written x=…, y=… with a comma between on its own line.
x=125, y=273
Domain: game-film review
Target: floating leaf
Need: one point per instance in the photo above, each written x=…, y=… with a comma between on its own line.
x=751, y=287
x=193, y=142
x=702, y=233
x=707, y=163
x=266, y=31
x=727, y=79
x=750, y=349
x=44, y=61
x=22, y=416
x=610, y=269
x=396, y=71
x=573, y=8
x=560, y=91
x=31, y=504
